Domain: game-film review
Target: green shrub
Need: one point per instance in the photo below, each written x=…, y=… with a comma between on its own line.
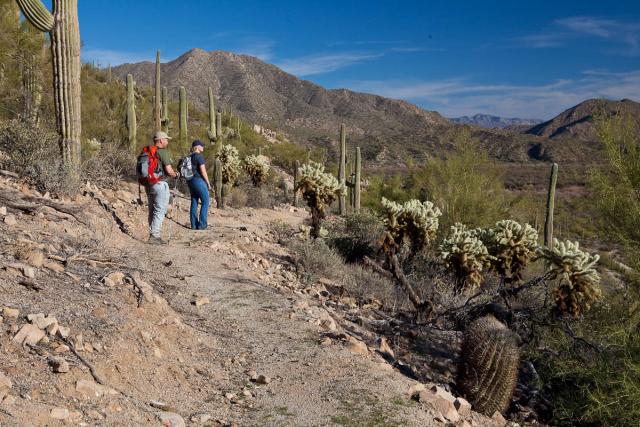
x=355, y=235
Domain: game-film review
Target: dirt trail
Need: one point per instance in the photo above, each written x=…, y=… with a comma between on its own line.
x=170, y=355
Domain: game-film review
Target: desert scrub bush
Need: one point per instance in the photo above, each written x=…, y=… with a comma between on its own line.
x=319, y=190
x=33, y=153
x=107, y=166
x=230, y=161
x=355, y=235
x=466, y=256
x=315, y=259
x=512, y=246
x=578, y=281
x=238, y=197
x=257, y=167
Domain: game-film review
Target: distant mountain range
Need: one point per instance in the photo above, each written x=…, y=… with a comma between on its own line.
x=489, y=121
x=389, y=131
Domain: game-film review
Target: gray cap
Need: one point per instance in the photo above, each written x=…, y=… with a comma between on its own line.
x=160, y=135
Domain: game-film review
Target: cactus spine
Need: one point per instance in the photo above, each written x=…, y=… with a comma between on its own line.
x=157, y=116
x=131, y=113
x=62, y=26
x=341, y=168
x=490, y=360
x=212, y=133
x=296, y=178
x=358, y=178
x=183, y=118
x=551, y=196
x=217, y=176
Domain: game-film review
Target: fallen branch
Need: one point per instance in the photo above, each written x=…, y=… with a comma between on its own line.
x=107, y=207
x=31, y=204
x=93, y=371
x=377, y=267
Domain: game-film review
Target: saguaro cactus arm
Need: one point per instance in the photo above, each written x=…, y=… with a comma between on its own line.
x=37, y=14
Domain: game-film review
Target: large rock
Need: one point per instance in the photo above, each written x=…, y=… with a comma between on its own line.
x=29, y=335
x=59, y=413
x=114, y=279
x=354, y=345
x=442, y=401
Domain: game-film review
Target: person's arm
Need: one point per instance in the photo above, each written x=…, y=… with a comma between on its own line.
x=203, y=172
x=169, y=170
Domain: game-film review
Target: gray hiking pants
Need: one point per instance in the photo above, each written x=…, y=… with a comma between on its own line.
x=158, y=199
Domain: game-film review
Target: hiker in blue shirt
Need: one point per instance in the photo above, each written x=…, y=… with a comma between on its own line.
x=199, y=186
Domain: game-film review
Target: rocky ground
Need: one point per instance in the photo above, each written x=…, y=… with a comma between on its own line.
x=99, y=328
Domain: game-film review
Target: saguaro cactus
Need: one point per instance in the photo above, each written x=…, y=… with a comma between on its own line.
x=551, y=196
x=131, y=113
x=490, y=359
x=157, y=116
x=218, y=125
x=183, y=117
x=341, y=168
x=165, y=110
x=217, y=177
x=358, y=178
x=211, y=133
x=296, y=178
x=62, y=26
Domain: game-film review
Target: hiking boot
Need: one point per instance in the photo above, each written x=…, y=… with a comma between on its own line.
x=153, y=240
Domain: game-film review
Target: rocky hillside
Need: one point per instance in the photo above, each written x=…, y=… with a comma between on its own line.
x=489, y=121
x=388, y=130
x=577, y=122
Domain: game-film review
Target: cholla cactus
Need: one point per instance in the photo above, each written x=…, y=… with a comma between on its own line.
x=512, y=246
x=414, y=220
x=258, y=168
x=319, y=189
x=230, y=162
x=579, y=282
x=465, y=255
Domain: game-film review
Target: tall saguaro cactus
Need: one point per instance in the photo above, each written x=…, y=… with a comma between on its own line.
x=157, y=116
x=217, y=177
x=218, y=125
x=165, y=110
x=341, y=167
x=296, y=178
x=551, y=196
x=64, y=30
x=183, y=117
x=358, y=178
x=131, y=113
x=211, y=133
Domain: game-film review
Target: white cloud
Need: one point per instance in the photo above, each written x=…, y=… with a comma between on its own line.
x=590, y=25
x=323, y=63
x=457, y=97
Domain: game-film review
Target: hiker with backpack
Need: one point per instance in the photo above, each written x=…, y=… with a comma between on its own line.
x=193, y=169
x=153, y=166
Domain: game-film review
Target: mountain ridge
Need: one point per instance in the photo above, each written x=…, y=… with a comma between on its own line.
x=491, y=121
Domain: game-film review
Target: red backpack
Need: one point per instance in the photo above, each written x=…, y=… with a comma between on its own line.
x=147, y=167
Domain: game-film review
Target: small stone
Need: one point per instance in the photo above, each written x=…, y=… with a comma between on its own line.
x=28, y=272
x=10, y=313
x=246, y=393
x=44, y=322
x=3, y=210
x=326, y=341
x=462, y=406
x=262, y=379
x=230, y=396
x=62, y=348
x=91, y=389
x=35, y=258
x=385, y=348
x=442, y=401
x=114, y=279
x=171, y=419
x=354, y=345
x=58, y=364
x=200, y=301
x=29, y=335
x=414, y=390
x=499, y=419
x=10, y=220
x=54, y=266
x=52, y=328
x=200, y=418
x=253, y=375
x=59, y=413
x=328, y=323
x=63, y=331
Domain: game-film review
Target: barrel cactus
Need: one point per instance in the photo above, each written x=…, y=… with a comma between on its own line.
x=230, y=163
x=489, y=371
x=578, y=281
x=464, y=253
x=319, y=189
x=512, y=246
x=257, y=167
x=413, y=221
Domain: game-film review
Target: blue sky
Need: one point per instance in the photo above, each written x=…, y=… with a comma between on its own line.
x=510, y=58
